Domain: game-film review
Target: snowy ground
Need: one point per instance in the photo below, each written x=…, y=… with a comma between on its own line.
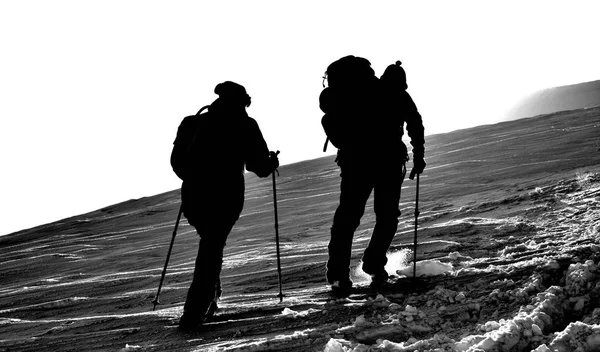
x=508, y=255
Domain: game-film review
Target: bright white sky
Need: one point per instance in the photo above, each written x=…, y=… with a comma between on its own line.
x=93, y=91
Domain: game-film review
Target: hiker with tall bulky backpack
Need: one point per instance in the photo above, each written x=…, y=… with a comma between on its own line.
x=364, y=118
x=209, y=155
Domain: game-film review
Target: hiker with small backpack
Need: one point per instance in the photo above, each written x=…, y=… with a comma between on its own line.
x=364, y=118
x=209, y=155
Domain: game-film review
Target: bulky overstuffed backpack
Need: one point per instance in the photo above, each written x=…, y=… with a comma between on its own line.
x=347, y=78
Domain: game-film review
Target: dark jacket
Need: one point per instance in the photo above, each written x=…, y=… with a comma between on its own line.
x=368, y=124
x=397, y=109
x=214, y=147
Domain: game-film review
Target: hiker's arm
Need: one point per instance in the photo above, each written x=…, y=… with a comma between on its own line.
x=258, y=159
x=414, y=127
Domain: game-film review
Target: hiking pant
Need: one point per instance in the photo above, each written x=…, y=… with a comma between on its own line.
x=213, y=217
x=357, y=184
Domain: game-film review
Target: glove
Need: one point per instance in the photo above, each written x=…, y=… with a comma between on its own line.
x=273, y=160
x=418, y=166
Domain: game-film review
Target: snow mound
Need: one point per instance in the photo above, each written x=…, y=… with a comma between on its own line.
x=426, y=268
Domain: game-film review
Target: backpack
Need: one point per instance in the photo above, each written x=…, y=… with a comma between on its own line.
x=347, y=78
x=180, y=156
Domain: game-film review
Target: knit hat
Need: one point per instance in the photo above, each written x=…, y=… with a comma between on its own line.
x=232, y=91
x=394, y=74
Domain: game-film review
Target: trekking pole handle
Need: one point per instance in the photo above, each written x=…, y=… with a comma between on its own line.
x=413, y=172
x=271, y=153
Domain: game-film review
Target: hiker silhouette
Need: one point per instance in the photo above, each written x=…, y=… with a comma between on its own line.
x=209, y=155
x=364, y=118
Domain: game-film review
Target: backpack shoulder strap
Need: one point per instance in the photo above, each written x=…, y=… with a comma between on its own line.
x=202, y=110
x=195, y=127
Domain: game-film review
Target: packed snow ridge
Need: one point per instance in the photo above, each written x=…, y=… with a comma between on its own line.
x=545, y=303
x=539, y=293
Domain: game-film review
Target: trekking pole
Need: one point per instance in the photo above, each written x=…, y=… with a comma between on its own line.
x=280, y=295
x=412, y=176
x=162, y=278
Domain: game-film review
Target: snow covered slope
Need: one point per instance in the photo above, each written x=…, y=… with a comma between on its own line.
x=508, y=235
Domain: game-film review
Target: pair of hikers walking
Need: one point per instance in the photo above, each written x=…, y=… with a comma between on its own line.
x=364, y=119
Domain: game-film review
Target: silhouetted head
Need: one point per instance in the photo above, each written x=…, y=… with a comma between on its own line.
x=395, y=75
x=232, y=93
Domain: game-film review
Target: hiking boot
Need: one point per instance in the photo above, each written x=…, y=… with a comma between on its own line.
x=379, y=279
x=187, y=322
x=341, y=288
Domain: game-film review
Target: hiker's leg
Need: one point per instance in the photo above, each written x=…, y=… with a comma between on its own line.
x=207, y=270
x=355, y=191
x=213, y=225
x=386, y=203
